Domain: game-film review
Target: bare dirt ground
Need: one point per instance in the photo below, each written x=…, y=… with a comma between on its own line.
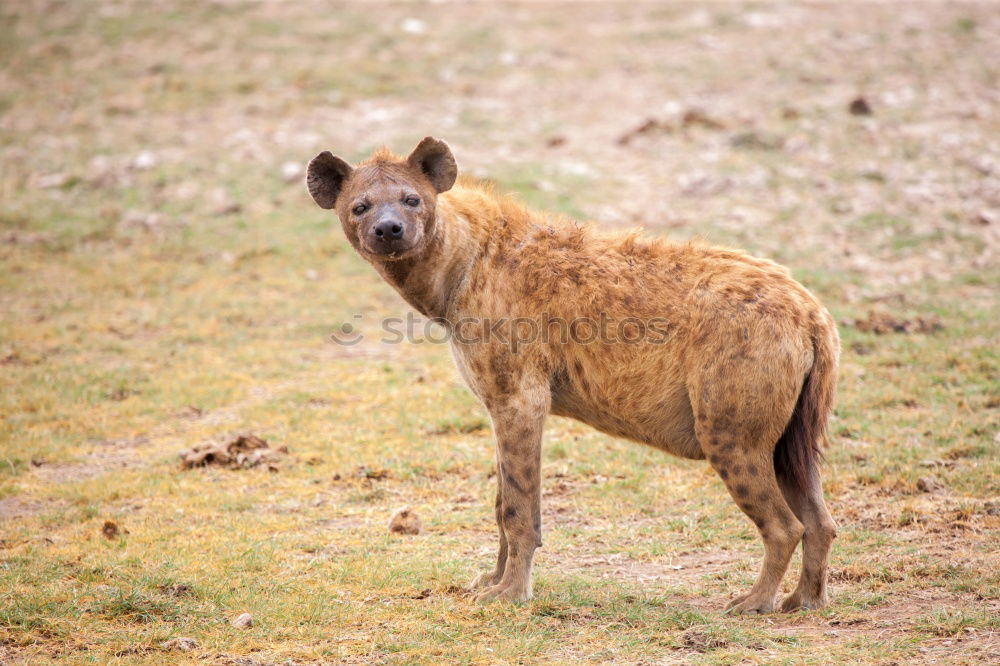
x=165, y=281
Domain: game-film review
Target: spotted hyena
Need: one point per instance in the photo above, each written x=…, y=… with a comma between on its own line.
x=729, y=359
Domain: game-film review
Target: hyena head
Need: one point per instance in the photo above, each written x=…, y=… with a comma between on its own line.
x=385, y=204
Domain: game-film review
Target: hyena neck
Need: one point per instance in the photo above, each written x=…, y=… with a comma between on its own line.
x=431, y=280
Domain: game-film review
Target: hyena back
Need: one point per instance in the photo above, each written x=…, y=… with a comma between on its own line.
x=712, y=354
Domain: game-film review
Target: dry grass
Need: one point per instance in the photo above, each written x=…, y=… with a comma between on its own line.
x=165, y=280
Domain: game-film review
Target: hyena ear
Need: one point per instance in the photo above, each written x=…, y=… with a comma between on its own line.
x=434, y=159
x=325, y=177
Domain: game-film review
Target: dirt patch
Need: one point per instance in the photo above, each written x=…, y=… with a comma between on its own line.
x=700, y=639
x=691, y=117
x=896, y=621
x=175, y=590
x=11, y=655
x=683, y=568
x=19, y=237
x=109, y=455
x=881, y=322
x=15, y=507
x=71, y=472
x=179, y=644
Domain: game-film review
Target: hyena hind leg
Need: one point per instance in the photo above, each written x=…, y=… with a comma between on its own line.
x=751, y=481
x=820, y=531
x=741, y=405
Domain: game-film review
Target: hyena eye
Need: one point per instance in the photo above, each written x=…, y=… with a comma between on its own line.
x=411, y=201
x=359, y=209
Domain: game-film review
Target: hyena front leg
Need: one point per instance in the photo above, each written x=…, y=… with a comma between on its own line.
x=517, y=424
x=490, y=578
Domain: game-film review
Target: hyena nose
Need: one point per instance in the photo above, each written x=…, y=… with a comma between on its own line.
x=388, y=230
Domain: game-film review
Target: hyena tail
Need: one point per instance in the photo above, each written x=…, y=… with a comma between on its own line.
x=799, y=451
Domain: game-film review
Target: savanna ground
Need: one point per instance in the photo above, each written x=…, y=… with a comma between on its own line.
x=165, y=280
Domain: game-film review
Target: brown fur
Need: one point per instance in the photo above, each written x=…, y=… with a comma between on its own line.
x=744, y=376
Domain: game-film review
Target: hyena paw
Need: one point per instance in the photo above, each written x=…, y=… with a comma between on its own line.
x=483, y=580
x=510, y=592
x=799, y=601
x=735, y=602
x=747, y=604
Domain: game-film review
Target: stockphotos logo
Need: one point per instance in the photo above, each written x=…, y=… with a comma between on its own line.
x=514, y=333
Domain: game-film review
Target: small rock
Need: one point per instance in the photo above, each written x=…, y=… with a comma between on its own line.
x=244, y=621
x=291, y=171
x=698, y=116
x=414, y=26
x=363, y=472
x=182, y=644
x=928, y=484
x=650, y=126
x=175, y=590
x=143, y=161
x=53, y=180
x=701, y=184
x=123, y=106
x=988, y=218
x=110, y=529
x=100, y=171
x=19, y=237
x=700, y=640
x=859, y=106
x=754, y=140
x=861, y=349
x=142, y=220
x=405, y=521
x=222, y=203
x=105, y=589
x=227, y=208
x=190, y=412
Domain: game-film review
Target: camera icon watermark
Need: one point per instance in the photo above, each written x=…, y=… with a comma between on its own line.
x=347, y=334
